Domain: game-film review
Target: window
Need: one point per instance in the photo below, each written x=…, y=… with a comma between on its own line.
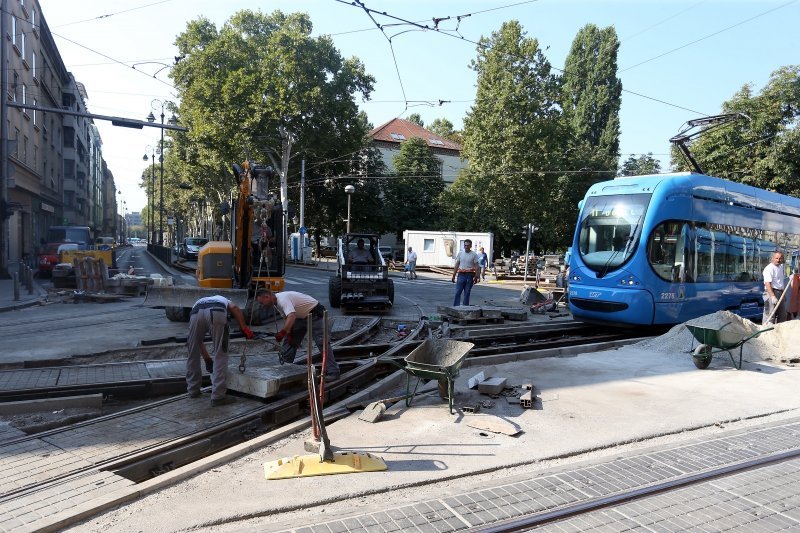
x=33, y=64
x=16, y=143
x=13, y=30
x=428, y=245
x=33, y=21
x=33, y=112
x=25, y=150
x=436, y=141
x=14, y=87
x=397, y=136
x=22, y=45
x=24, y=97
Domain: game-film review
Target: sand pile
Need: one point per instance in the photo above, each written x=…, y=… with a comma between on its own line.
x=782, y=343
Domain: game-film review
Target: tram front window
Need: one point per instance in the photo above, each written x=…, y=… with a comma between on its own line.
x=610, y=227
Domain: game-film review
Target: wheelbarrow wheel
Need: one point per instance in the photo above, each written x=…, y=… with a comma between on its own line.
x=702, y=356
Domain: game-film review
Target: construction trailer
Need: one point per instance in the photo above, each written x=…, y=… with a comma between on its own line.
x=439, y=248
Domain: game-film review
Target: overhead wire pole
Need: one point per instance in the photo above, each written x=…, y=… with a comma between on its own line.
x=4, y=177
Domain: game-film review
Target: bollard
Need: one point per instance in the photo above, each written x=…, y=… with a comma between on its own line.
x=29, y=279
x=15, y=282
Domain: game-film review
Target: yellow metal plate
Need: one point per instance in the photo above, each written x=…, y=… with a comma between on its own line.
x=310, y=465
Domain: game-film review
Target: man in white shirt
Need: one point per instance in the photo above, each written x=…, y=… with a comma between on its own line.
x=411, y=263
x=297, y=309
x=774, y=285
x=467, y=271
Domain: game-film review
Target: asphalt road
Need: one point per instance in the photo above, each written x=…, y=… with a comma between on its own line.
x=62, y=329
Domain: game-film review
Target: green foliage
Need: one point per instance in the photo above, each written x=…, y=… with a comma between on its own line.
x=591, y=91
x=638, y=166
x=413, y=193
x=444, y=128
x=416, y=119
x=261, y=87
x=763, y=151
x=515, y=139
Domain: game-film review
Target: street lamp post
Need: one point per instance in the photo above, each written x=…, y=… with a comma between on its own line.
x=151, y=153
x=154, y=106
x=349, y=190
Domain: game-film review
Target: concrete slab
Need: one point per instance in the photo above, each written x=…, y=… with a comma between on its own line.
x=264, y=375
x=460, y=311
x=493, y=385
x=94, y=401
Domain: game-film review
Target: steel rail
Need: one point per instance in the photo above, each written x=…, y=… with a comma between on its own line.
x=595, y=504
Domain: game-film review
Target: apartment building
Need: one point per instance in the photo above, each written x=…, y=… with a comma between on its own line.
x=55, y=169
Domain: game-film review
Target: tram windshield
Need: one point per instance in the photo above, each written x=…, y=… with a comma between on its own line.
x=610, y=227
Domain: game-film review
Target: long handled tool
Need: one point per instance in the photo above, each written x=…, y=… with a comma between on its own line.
x=326, y=462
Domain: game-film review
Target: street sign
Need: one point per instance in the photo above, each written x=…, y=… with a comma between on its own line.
x=302, y=230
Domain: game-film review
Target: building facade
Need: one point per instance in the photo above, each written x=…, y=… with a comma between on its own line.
x=54, y=174
x=389, y=136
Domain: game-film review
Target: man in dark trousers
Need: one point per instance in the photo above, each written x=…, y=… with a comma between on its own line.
x=210, y=314
x=297, y=309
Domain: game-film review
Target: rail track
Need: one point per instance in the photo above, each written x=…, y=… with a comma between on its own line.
x=118, y=459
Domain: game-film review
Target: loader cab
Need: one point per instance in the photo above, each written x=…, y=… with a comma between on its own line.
x=362, y=279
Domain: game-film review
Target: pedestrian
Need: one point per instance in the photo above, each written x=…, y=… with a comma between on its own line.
x=210, y=315
x=296, y=308
x=774, y=284
x=467, y=271
x=411, y=263
x=483, y=262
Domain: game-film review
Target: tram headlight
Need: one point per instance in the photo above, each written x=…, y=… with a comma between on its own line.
x=628, y=281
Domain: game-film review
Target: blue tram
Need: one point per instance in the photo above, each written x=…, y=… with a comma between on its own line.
x=662, y=249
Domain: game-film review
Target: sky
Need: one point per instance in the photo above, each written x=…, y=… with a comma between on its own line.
x=678, y=60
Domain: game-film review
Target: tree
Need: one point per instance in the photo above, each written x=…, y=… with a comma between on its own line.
x=638, y=166
x=515, y=139
x=444, y=128
x=261, y=87
x=413, y=192
x=762, y=150
x=591, y=91
x=416, y=119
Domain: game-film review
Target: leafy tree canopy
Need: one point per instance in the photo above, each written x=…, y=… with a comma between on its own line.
x=591, y=91
x=638, y=166
x=416, y=119
x=413, y=193
x=261, y=87
x=444, y=128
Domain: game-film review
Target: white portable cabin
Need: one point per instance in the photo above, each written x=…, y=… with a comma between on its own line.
x=439, y=248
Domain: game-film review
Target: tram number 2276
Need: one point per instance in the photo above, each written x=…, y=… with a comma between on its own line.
x=669, y=296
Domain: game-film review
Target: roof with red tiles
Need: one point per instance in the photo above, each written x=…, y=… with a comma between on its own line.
x=398, y=130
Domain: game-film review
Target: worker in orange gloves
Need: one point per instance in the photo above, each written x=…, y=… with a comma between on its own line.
x=210, y=314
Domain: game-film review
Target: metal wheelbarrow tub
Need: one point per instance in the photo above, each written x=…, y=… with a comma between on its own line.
x=438, y=359
x=718, y=340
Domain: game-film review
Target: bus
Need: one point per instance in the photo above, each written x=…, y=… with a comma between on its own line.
x=663, y=249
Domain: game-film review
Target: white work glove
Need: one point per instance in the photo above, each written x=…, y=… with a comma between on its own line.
x=773, y=300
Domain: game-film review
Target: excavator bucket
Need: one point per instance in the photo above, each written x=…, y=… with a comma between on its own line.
x=186, y=296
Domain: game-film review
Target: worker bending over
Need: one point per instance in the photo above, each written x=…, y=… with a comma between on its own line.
x=210, y=314
x=297, y=309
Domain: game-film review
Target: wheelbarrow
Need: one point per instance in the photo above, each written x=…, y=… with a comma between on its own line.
x=716, y=341
x=438, y=359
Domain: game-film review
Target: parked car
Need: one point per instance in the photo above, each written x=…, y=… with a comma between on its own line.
x=190, y=246
x=386, y=252
x=47, y=259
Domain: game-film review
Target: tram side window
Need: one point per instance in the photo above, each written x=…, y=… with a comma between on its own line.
x=661, y=250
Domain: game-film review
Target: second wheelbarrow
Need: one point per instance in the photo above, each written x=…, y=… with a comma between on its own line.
x=438, y=359
x=718, y=340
